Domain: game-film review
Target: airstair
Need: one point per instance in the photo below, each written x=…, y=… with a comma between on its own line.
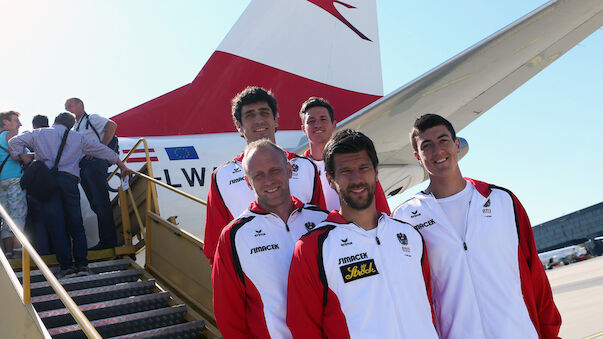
x=168, y=297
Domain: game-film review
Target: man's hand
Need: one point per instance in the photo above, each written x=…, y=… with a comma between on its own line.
x=27, y=158
x=122, y=168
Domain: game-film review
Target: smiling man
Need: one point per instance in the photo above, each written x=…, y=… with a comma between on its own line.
x=360, y=274
x=251, y=265
x=487, y=279
x=318, y=124
x=254, y=112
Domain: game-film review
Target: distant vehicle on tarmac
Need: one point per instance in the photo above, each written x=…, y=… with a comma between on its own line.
x=566, y=255
x=595, y=246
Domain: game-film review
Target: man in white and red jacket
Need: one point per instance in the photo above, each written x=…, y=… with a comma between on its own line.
x=318, y=123
x=251, y=265
x=359, y=274
x=487, y=279
x=254, y=112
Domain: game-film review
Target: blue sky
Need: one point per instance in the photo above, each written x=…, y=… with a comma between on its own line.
x=542, y=141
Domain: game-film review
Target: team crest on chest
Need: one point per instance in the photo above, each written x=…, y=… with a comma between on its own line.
x=310, y=225
x=403, y=239
x=487, y=211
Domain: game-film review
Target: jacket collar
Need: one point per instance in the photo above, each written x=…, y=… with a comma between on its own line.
x=482, y=187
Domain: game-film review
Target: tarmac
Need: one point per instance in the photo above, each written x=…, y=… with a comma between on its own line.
x=578, y=294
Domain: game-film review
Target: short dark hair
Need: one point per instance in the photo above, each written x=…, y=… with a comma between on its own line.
x=347, y=141
x=39, y=121
x=427, y=121
x=315, y=102
x=251, y=95
x=7, y=116
x=66, y=119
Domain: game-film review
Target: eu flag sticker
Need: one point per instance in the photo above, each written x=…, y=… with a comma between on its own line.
x=181, y=153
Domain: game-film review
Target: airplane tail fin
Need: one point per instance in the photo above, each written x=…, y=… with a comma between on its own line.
x=296, y=48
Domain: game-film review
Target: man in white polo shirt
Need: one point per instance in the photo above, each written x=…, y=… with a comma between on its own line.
x=93, y=170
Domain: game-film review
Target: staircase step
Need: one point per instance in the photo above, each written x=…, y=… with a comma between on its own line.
x=96, y=267
x=188, y=330
x=96, y=294
x=93, y=280
x=125, y=324
x=106, y=309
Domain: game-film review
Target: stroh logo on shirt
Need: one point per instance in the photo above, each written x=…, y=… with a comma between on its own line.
x=358, y=270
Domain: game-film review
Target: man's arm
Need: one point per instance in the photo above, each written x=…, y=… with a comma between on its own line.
x=109, y=131
x=98, y=150
x=17, y=144
x=228, y=292
x=547, y=313
x=216, y=217
x=380, y=200
x=305, y=292
x=427, y=278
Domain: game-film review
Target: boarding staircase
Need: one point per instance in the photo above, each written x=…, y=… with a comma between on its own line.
x=170, y=297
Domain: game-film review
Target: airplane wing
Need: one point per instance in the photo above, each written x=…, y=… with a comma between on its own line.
x=466, y=86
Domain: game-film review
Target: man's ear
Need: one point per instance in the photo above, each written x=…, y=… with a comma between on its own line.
x=331, y=181
x=416, y=155
x=239, y=128
x=457, y=142
x=248, y=183
x=289, y=170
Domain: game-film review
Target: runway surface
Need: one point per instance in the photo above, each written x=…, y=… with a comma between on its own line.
x=578, y=293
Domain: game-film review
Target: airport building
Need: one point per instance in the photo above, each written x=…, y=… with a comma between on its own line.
x=571, y=229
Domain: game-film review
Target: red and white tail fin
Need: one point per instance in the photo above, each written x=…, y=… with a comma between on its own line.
x=296, y=48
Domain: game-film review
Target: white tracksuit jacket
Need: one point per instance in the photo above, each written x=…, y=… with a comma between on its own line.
x=490, y=282
x=345, y=282
x=249, y=275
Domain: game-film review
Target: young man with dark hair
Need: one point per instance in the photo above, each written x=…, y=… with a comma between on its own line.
x=94, y=170
x=251, y=265
x=254, y=112
x=39, y=121
x=318, y=124
x=488, y=281
x=360, y=273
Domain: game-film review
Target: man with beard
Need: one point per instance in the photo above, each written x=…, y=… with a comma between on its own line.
x=318, y=124
x=488, y=281
x=360, y=273
x=254, y=112
x=249, y=276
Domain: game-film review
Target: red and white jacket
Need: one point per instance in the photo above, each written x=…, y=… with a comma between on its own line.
x=229, y=195
x=249, y=275
x=331, y=196
x=489, y=283
x=345, y=282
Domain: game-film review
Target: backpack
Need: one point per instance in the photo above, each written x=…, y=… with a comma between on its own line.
x=39, y=181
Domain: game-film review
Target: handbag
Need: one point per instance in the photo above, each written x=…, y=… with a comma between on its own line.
x=39, y=181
